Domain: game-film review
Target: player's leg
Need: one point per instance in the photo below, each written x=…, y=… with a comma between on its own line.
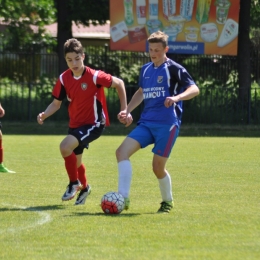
x=1, y=146
x=140, y=137
x=85, y=135
x=165, y=138
x=86, y=189
x=123, y=154
x=68, y=144
x=165, y=184
x=81, y=170
x=2, y=167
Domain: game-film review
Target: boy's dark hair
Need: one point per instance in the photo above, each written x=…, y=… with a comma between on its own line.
x=158, y=37
x=73, y=45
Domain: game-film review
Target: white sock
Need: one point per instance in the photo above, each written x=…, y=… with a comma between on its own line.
x=165, y=185
x=124, y=177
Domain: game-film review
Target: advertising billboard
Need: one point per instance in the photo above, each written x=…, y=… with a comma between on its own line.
x=193, y=26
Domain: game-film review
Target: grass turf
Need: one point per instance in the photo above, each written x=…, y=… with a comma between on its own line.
x=216, y=184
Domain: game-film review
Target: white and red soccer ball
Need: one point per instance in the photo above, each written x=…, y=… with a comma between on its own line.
x=112, y=203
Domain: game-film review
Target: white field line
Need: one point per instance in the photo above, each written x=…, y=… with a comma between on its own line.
x=43, y=219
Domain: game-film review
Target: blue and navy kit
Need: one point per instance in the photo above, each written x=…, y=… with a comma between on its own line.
x=157, y=83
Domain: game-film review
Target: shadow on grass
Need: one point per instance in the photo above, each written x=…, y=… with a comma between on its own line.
x=122, y=215
x=39, y=208
x=107, y=215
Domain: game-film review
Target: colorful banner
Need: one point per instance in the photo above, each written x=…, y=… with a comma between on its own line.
x=193, y=26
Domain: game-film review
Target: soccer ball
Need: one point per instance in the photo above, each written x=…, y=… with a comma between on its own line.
x=112, y=203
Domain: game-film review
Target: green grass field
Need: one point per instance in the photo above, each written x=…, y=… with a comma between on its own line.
x=216, y=185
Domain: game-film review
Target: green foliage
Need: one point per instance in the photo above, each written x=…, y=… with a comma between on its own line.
x=23, y=101
x=255, y=39
x=26, y=66
x=131, y=75
x=123, y=64
x=254, y=14
x=255, y=85
x=26, y=20
x=220, y=103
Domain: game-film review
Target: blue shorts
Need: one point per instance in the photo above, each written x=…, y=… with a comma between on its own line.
x=162, y=136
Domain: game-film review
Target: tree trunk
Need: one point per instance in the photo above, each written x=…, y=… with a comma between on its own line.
x=244, y=66
x=64, y=31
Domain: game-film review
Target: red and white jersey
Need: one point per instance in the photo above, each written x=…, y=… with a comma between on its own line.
x=87, y=103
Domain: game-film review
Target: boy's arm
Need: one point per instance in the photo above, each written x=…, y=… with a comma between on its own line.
x=119, y=85
x=135, y=101
x=2, y=111
x=191, y=92
x=125, y=117
x=51, y=109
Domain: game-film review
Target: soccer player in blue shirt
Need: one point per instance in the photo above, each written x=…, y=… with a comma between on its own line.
x=163, y=86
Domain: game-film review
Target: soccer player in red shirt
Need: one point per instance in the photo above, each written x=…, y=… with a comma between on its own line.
x=2, y=167
x=84, y=89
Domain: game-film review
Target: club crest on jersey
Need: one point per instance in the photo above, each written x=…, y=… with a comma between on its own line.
x=160, y=79
x=84, y=86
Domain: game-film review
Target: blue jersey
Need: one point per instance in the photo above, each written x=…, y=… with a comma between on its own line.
x=157, y=83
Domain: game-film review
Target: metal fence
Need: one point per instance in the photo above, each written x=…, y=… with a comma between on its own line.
x=27, y=78
x=23, y=102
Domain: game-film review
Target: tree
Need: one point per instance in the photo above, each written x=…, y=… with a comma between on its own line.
x=21, y=15
x=254, y=14
x=255, y=24
x=81, y=12
x=244, y=68
x=24, y=16
x=64, y=30
x=248, y=18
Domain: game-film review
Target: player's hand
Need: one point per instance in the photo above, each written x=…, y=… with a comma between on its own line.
x=122, y=117
x=40, y=118
x=169, y=101
x=128, y=120
x=125, y=118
